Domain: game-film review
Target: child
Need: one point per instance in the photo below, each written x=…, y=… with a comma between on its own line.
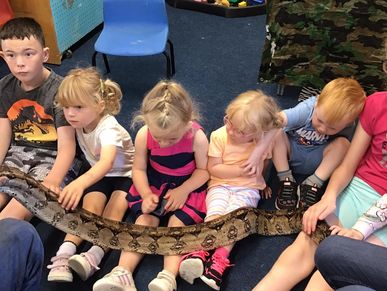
x=247, y=118
x=89, y=104
x=35, y=135
x=360, y=180
x=171, y=157
x=315, y=140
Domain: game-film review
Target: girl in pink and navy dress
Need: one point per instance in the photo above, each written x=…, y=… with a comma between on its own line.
x=169, y=178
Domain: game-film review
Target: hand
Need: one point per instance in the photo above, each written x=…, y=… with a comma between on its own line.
x=251, y=167
x=318, y=211
x=70, y=196
x=54, y=187
x=3, y=180
x=348, y=232
x=266, y=193
x=149, y=203
x=176, y=199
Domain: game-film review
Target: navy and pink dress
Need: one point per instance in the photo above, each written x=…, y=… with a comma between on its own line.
x=170, y=167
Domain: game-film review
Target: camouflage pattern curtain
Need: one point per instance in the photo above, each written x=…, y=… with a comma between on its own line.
x=310, y=42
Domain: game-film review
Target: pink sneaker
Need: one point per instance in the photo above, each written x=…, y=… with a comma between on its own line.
x=214, y=270
x=192, y=265
x=84, y=265
x=59, y=269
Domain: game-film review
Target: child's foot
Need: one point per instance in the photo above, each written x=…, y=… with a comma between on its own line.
x=287, y=197
x=213, y=271
x=192, y=265
x=84, y=265
x=165, y=281
x=118, y=279
x=309, y=195
x=59, y=269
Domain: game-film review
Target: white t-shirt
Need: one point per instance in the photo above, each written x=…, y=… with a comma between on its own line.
x=108, y=132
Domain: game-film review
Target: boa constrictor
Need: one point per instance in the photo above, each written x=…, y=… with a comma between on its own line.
x=150, y=240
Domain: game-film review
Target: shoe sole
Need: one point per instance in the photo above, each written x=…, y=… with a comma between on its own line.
x=155, y=287
x=77, y=266
x=63, y=279
x=191, y=269
x=109, y=287
x=209, y=282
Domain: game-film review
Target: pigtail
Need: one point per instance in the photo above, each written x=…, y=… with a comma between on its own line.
x=111, y=93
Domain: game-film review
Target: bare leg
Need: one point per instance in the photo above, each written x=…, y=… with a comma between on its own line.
x=116, y=207
x=4, y=199
x=15, y=209
x=171, y=263
x=332, y=157
x=130, y=260
x=318, y=283
x=294, y=264
x=281, y=152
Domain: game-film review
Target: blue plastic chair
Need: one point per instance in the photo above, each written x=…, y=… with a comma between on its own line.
x=135, y=28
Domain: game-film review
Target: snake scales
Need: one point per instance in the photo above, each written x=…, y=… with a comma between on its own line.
x=150, y=240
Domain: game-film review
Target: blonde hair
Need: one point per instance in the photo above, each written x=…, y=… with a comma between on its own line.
x=168, y=105
x=341, y=97
x=85, y=86
x=256, y=111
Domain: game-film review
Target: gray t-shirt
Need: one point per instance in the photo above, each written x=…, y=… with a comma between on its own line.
x=34, y=117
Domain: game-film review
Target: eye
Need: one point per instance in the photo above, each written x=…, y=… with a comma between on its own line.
x=9, y=55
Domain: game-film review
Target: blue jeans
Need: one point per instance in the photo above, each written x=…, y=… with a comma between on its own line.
x=343, y=261
x=21, y=256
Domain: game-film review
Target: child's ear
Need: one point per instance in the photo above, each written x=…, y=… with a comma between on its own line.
x=46, y=54
x=101, y=106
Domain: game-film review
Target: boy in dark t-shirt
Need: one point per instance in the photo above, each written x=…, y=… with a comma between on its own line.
x=35, y=135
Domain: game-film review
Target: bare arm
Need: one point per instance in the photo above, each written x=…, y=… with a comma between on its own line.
x=72, y=193
x=64, y=158
x=339, y=180
x=6, y=132
x=253, y=164
x=222, y=171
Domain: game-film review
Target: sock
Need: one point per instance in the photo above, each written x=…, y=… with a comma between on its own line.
x=314, y=180
x=67, y=248
x=223, y=252
x=98, y=253
x=286, y=174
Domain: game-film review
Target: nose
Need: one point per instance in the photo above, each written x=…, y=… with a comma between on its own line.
x=70, y=111
x=19, y=61
x=322, y=129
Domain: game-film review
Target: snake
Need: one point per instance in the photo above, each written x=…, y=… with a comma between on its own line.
x=126, y=236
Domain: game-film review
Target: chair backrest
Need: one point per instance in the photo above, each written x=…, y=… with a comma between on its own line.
x=6, y=12
x=135, y=11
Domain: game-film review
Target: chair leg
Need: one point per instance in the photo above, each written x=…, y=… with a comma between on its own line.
x=93, y=59
x=169, y=70
x=105, y=60
x=172, y=54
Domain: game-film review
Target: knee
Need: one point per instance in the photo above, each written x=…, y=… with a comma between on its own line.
x=338, y=144
x=326, y=251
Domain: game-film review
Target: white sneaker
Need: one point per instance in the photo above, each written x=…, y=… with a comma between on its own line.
x=59, y=269
x=192, y=265
x=118, y=279
x=165, y=281
x=84, y=265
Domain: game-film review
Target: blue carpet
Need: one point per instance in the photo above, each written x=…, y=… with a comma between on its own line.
x=216, y=59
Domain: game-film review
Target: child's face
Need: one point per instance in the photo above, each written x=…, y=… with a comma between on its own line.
x=167, y=137
x=25, y=58
x=323, y=127
x=83, y=117
x=238, y=136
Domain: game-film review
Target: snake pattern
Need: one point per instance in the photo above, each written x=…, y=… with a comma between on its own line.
x=145, y=239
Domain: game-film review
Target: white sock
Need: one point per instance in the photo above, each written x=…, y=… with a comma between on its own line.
x=67, y=248
x=98, y=253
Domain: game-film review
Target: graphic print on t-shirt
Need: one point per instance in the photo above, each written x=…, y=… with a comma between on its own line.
x=30, y=122
x=383, y=162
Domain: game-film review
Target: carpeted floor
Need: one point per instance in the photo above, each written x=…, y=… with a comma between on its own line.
x=216, y=59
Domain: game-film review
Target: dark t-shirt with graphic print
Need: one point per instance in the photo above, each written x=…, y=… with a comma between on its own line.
x=33, y=115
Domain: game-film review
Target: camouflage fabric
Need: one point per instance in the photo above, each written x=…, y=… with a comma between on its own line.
x=311, y=42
